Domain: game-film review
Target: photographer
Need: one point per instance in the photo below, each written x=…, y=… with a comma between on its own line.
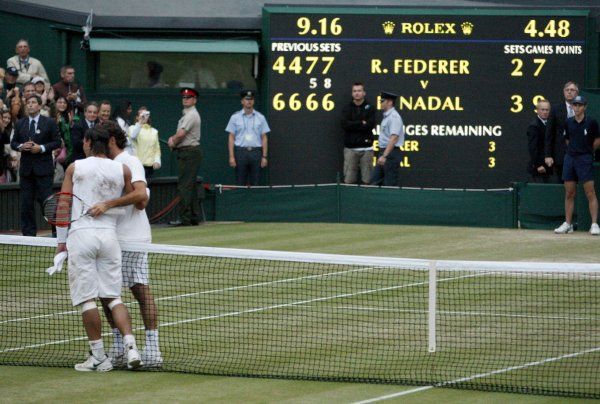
x=69, y=89
x=143, y=139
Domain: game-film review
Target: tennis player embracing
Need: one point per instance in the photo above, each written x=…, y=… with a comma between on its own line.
x=133, y=226
x=94, y=252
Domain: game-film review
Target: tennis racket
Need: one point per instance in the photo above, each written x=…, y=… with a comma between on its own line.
x=58, y=209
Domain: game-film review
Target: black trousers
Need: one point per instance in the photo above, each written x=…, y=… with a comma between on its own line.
x=148, y=171
x=387, y=174
x=33, y=188
x=247, y=165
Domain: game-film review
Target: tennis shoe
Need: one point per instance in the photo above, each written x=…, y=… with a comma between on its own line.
x=151, y=358
x=595, y=229
x=92, y=364
x=564, y=228
x=133, y=358
x=117, y=358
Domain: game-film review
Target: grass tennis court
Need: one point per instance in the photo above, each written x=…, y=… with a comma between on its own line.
x=426, y=242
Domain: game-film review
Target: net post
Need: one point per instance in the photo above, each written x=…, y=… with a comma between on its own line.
x=432, y=306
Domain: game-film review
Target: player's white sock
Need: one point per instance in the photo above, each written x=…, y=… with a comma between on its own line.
x=152, y=340
x=97, y=347
x=118, y=340
x=129, y=341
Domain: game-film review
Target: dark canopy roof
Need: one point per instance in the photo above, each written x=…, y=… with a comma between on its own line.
x=224, y=15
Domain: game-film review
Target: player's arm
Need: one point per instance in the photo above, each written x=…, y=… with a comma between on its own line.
x=139, y=187
x=62, y=231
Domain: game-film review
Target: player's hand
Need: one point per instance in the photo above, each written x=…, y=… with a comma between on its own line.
x=60, y=248
x=263, y=162
x=549, y=161
x=541, y=169
x=232, y=162
x=171, y=143
x=156, y=166
x=381, y=160
x=98, y=209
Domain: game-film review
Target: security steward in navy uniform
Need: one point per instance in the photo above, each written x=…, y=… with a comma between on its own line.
x=186, y=145
x=36, y=136
x=391, y=137
x=248, y=143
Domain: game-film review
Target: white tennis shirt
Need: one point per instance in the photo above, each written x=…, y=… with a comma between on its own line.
x=95, y=180
x=134, y=224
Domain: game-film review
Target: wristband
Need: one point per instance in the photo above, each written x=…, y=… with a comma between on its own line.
x=61, y=234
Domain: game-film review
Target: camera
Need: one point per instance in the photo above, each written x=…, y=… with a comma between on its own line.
x=145, y=114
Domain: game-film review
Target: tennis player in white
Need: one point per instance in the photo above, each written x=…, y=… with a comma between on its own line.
x=94, y=252
x=134, y=226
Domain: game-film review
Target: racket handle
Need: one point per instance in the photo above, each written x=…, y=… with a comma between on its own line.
x=118, y=211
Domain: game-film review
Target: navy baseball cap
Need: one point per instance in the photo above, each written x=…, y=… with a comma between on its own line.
x=579, y=100
x=12, y=71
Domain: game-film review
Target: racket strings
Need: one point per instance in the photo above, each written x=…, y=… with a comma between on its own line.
x=58, y=208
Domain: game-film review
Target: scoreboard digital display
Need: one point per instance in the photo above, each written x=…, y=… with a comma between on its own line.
x=467, y=83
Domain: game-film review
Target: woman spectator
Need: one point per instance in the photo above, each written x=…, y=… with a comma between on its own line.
x=144, y=141
x=10, y=163
x=123, y=115
x=65, y=118
x=14, y=103
x=45, y=93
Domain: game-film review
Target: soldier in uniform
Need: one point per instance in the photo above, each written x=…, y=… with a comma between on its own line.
x=186, y=144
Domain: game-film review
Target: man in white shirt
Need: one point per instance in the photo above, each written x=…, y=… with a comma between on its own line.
x=134, y=226
x=94, y=253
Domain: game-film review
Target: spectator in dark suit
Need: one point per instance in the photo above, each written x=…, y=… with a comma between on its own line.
x=79, y=129
x=555, y=144
x=536, y=134
x=36, y=136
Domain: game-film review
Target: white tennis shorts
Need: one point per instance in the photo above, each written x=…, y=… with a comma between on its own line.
x=135, y=268
x=94, y=265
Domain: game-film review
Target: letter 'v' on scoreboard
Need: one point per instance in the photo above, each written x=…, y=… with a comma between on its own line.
x=468, y=82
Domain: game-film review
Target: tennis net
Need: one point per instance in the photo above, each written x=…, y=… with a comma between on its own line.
x=515, y=326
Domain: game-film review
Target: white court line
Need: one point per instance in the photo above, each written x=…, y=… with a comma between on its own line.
x=469, y=313
x=198, y=293
x=254, y=310
x=481, y=375
x=394, y=395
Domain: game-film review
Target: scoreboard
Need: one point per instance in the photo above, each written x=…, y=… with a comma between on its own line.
x=467, y=79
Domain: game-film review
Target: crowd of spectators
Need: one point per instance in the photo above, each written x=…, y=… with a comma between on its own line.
x=66, y=103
